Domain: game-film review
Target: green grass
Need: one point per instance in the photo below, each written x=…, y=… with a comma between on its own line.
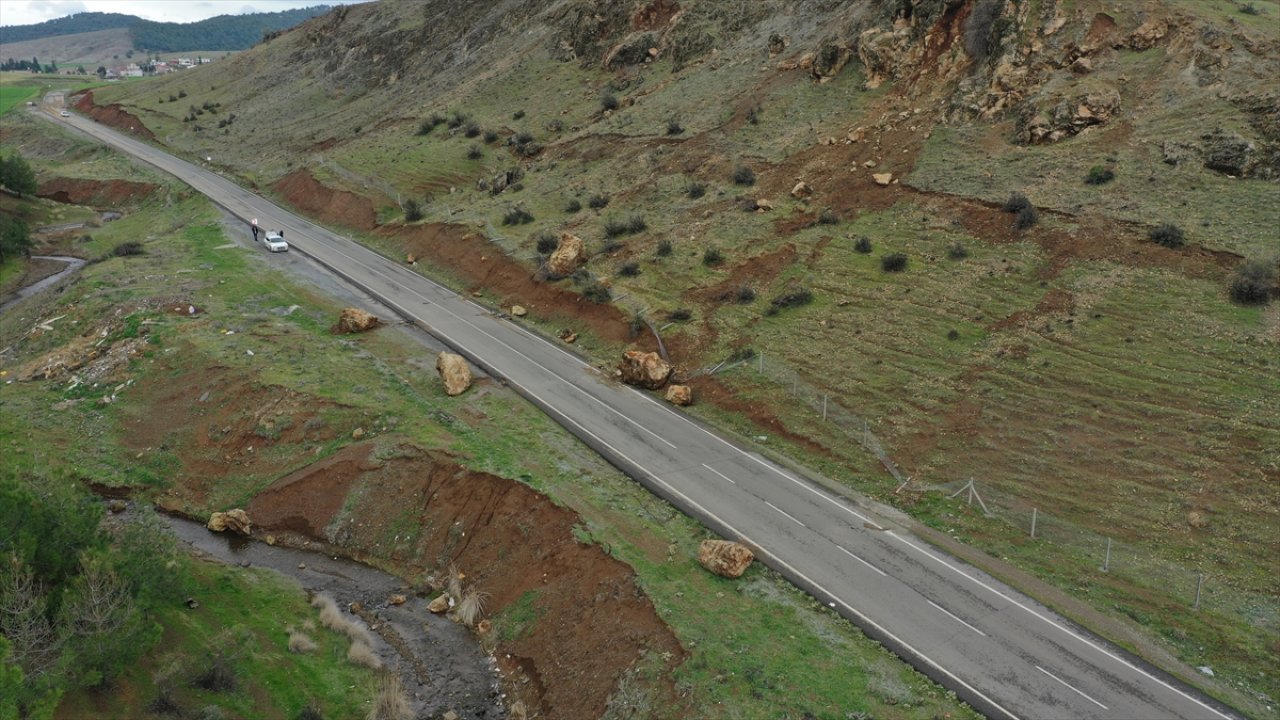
x=13, y=95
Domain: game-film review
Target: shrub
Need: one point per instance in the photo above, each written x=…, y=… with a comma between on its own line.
x=753, y=115
x=412, y=210
x=390, y=702
x=748, y=204
x=517, y=115
x=695, y=190
x=629, y=269
x=524, y=137
x=744, y=295
x=555, y=126
x=1099, y=175
x=126, y=249
x=173, y=98
x=613, y=227
x=957, y=251
x=490, y=136
x=300, y=642
x=309, y=712
x=795, y=298
x=547, y=243
x=1017, y=202
x=743, y=175
x=1026, y=217
x=596, y=293
x=456, y=120
x=674, y=127
x=828, y=217
x=220, y=676
x=953, y=334
x=1248, y=9
x=517, y=216
x=597, y=202
x=572, y=206
x=182, y=93
x=472, y=130
x=712, y=257
x=1254, y=282
x=474, y=152
x=425, y=127
x=1168, y=235
x=862, y=245
x=608, y=101
x=362, y=654
x=679, y=314
x=664, y=248
x=742, y=354
x=894, y=262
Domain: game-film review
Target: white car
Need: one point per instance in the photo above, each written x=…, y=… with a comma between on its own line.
x=273, y=242
x=65, y=113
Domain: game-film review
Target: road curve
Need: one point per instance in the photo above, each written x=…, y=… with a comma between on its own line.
x=1002, y=652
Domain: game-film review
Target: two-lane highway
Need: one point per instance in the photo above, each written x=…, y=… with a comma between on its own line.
x=1000, y=651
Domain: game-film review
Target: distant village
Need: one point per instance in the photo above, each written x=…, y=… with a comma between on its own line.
x=150, y=66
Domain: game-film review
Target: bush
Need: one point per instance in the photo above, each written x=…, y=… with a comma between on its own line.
x=712, y=257
x=828, y=217
x=309, y=712
x=220, y=676
x=490, y=136
x=572, y=206
x=456, y=120
x=744, y=295
x=630, y=269
x=753, y=115
x=894, y=262
x=695, y=190
x=126, y=249
x=1017, y=202
x=1168, y=235
x=1254, y=282
x=748, y=204
x=412, y=210
x=472, y=130
x=863, y=245
x=664, y=248
x=517, y=115
x=390, y=702
x=674, y=127
x=596, y=293
x=524, y=137
x=474, y=152
x=742, y=354
x=953, y=334
x=547, y=243
x=598, y=202
x=517, y=216
x=957, y=251
x=743, y=175
x=1099, y=175
x=182, y=93
x=1027, y=217
x=1249, y=9
x=679, y=314
x=609, y=101
x=794, y=298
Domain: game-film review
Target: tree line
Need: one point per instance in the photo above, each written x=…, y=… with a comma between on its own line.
x=17, y=177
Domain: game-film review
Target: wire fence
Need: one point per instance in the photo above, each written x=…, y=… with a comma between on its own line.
x=1068, y=548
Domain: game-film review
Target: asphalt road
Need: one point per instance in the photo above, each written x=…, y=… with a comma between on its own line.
x=1003, y=653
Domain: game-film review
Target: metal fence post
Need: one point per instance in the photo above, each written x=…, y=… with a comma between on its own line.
x=1034, y=512
x=1199, y=586
x=824, y=406
x=1106, y=563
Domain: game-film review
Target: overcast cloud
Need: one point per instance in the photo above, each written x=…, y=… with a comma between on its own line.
x=29, y=12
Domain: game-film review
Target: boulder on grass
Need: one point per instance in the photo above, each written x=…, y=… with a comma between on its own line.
x=644, y=369
x=237, y=521
x=455, y=372
x=569, y=255
x=681, y=395
x=354, y=320
x=725, y=558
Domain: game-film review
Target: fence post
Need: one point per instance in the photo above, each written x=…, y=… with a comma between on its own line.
x=824, y=407
x=1106, y=562
x=761, y=370
x=1034, y=512
x=1199, y=586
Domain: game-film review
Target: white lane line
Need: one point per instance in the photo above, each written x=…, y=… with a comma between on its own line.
x=726, y=477
x=1072, y=688
x=864, y=562
x=784, y=512
x=953, y=617
x=1056, y=624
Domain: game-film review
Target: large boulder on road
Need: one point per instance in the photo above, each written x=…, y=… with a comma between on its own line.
x=725, y=558
x=237, y=521
x=569, y=255
x=644, y=369
x=455, y=372
x=354, y=320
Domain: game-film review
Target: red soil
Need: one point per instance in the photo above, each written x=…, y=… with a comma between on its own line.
x=336, y=206
x=113, y=115
x=95, y=193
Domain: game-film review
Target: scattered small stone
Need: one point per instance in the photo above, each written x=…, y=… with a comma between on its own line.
x=518, y=311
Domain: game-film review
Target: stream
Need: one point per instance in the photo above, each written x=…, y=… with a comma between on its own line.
x=72, y=264
x=445, y=667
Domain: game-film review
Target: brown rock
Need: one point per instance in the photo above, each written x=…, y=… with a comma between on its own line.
x=1197, y=519
x=237, y=521
x=440, y=605
x=882, y=178
x=117, y=506
x=569, y=255
x=763, y=205
x=681, y=395
x=357, y=433
x=725, y=558
x=455, y=372
x=644, y=369
x=354, y=320
x=519, y=311
x=568, y=336
x=398, y=599
x=801, y=190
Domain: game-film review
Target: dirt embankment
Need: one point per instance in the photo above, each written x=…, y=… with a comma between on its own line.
x=95, y=193
x=306, y=193
x=113, y=115
x=419, y=512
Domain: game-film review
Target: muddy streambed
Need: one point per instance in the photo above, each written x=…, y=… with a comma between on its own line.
x=440, y=662
x=45, y=270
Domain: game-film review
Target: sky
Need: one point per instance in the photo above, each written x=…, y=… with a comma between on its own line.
x=29, y=12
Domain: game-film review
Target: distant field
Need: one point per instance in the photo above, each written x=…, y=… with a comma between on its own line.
x=12, y=95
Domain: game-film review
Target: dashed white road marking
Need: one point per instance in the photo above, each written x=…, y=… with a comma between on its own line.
x=1072, y=688
x=864, y=562
x=944, y=611
x=784, y=512
x=726, y=477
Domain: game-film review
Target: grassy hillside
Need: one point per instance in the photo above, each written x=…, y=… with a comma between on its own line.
x=1070, y=364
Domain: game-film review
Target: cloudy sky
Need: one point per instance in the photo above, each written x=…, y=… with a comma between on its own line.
x=28, y=12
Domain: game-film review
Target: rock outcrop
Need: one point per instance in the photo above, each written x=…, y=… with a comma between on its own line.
x=644, y=369
x=237, y=521
x=725, y=558
x=455, y=372
x=569, y=255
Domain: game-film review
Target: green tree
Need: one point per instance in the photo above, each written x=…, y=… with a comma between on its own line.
x=15, y=239
x=17, y=175
x=102, y=71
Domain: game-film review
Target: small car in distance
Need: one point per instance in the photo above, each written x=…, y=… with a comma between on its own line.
x=274, y=242
x=65, y=113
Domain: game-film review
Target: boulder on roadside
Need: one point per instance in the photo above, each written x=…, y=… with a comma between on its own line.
x=681, y=395
x=355, y=320
x=725, y=558
x=644, y=369
x=519, y=311
x=569, y=255
x=237, y=521
x=440, y=605
x=455, y=372
x=882, y=178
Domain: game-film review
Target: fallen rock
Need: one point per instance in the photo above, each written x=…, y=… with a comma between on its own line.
x=440, y=605
x=725, y=558
x=568, y=336
x=237, y=521
x=681, y=395
x=644, y=369
x=763, y=205
x=455, y=372
x=1197, y=519
x=357, y=433
x=569, y=255
x=354, y=320
x=882, y=178
x=518, y=311
x=117, y=506
x=801, y=190
x=398, y=599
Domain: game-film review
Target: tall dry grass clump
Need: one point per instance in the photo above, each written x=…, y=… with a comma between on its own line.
x=390, y=701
